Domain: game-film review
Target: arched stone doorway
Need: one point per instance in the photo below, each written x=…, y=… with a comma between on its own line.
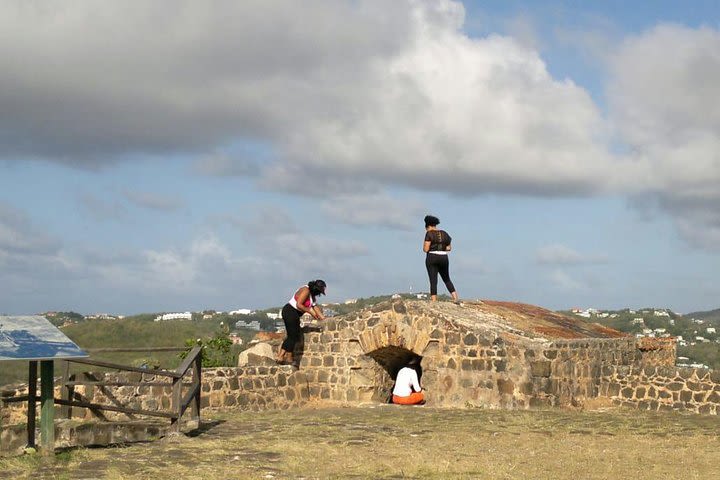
x=382, y=351
x=389, y=362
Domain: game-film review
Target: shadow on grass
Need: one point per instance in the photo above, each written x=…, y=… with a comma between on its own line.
x=205, y=427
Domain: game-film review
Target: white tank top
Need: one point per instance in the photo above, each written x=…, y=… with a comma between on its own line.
x=293, y=300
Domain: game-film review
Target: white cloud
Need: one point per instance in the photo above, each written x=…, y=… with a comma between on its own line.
x=558, y=254
x=223, y=164
x=356, y=94
x=375, y=91
x=665, y=101
x=376, y=209
x=18, y=236
x=562, y=280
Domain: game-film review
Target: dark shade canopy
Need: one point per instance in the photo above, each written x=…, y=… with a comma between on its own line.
x=33, y=337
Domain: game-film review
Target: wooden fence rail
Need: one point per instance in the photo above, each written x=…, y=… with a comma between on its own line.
x=179, y=403
x=176, y=380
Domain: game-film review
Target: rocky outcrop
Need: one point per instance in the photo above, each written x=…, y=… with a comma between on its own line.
x=260, y=353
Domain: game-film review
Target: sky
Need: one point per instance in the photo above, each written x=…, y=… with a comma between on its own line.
x=177, y=155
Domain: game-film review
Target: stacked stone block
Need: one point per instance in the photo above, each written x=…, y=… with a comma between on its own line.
x=663, y=388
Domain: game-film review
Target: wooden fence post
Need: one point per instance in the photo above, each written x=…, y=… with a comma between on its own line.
x=47, y=411
x=66, y=391
x=176, y=404
x=197, y=375
x=32, y=403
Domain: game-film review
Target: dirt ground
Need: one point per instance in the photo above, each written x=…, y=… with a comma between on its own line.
x=392, y=442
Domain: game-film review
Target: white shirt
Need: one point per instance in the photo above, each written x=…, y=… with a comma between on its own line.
x=406, y=378
x=310, y=302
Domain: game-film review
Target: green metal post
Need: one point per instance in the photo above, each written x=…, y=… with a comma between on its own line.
x=47, y=409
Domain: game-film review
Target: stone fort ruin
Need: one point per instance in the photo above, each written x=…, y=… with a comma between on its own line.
x=474, y=354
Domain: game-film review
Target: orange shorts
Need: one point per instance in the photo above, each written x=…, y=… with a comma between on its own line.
x=413, y=399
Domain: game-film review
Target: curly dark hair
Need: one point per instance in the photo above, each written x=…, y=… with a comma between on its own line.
x=317, y=287
x=431, y=221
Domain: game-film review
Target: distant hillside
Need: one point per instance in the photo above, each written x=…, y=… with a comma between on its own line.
x=711, y=316
x=136, y=331
x=699, y=330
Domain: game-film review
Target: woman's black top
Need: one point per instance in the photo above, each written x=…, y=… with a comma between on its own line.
x=439, y=240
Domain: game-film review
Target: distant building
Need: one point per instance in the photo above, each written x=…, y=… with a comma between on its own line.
x=235, y=339
x=250, y=325
x=273, y=316
x=661, y=313
x=174, y=316
x=710, y=330
x=241, y=311
x=638, y=321
x=350, y=301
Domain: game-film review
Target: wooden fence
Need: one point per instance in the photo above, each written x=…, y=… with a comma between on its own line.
x=69, y=398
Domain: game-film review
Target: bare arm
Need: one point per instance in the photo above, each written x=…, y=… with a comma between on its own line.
x=415, y=383
x=426, y=247
x=318, y=313
x=301, y=299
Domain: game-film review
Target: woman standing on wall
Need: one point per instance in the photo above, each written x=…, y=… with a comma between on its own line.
x=303, y=301
x=437, y=245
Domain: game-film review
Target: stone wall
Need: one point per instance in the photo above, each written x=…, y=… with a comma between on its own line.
x=468, y=359
x=356, y=358
x=248, y=388
x=662, y=388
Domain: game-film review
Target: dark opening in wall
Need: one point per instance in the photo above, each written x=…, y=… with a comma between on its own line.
x=389, y=360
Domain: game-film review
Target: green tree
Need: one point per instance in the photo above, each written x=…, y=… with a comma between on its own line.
x=216, y=351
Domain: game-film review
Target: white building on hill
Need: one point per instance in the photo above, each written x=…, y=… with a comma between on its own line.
x=252, y=325
x=174, y=316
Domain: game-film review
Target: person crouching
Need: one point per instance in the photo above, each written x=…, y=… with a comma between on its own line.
x=407, y=389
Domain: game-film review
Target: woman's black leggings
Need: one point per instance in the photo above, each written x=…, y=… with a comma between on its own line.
x=438, y=264
x=291, y=317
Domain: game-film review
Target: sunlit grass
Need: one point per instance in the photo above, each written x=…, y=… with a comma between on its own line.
x=409, y=442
